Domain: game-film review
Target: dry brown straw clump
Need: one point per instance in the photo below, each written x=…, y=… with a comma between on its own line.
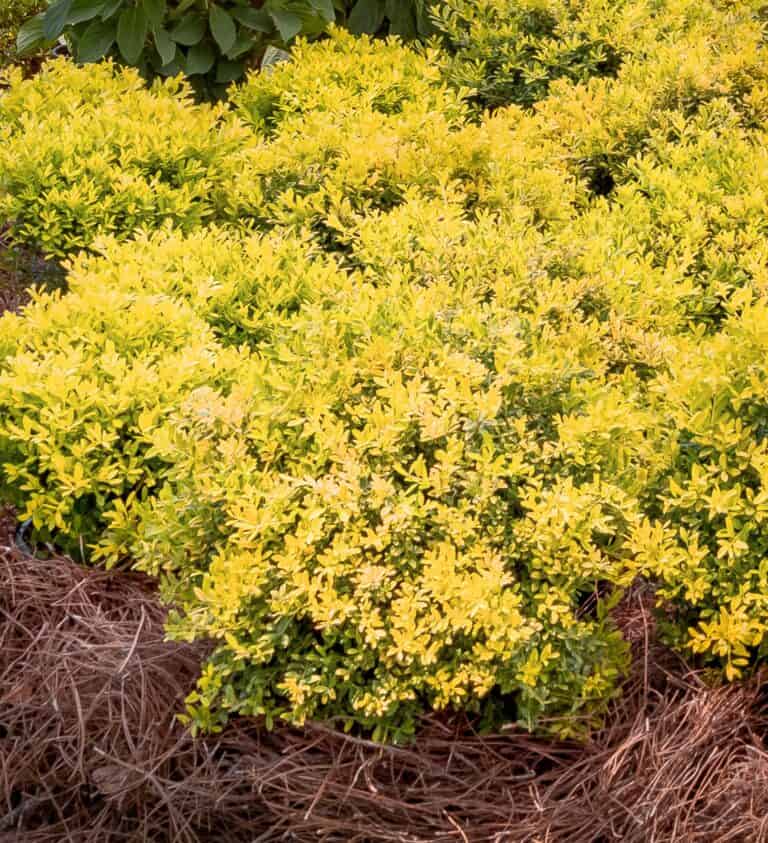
x=90, y=749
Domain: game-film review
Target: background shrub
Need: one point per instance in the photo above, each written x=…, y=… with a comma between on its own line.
x=103, y=153
x=203, y=39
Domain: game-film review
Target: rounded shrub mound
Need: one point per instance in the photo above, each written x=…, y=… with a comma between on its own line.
x=87, y=152
x=393, y=397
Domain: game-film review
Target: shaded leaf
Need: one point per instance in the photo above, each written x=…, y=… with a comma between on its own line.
x=175, y=66
x=401, y=18
x=132, y=33
x=244, y=44
x=55, y=19
x=83, y=10
x=200, y=59
x=166, y=48
x=189, y=30
x=223, y=28
x=325, y=9
x=366, y=17
x=288, y=24
x=110, y=8
x=257, y=19
x=30, y=35
x=94, y=43
x=155, y=11
x=228, y=71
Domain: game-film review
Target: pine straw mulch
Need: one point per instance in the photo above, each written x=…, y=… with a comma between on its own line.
x=90, y=750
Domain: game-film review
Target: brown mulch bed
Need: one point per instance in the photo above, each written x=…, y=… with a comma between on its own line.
x=90, y=749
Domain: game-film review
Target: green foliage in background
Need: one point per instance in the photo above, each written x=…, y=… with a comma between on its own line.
x=203, y=38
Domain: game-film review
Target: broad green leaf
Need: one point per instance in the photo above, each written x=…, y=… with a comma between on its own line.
x=256, y=19
x=55, y=19
x=288, y=24
x=178, y=10
x=132, y=31
x=424, y=23
x=223, y=28
x=189, y=30
x=325, y=9
x=228, y=71
x=175, y=66
x=166, y=48
x=83, y=10
x=30, y=35
x=200, y=59
x=155, y=11
x=244, y=44
x=95, y=42
x=110, y=8
x=366, y=17
x=401, y=18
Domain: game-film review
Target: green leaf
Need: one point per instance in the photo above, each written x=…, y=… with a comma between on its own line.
x=155, y=11
x=244, y=44
x=189, y=30
x=256, y=19
x=228, y=71
x=165, y=47
x=55, y=19
x=83, y=10
x=110, y=8
x=30, y=35
x=132, y=33
x=325, y=9
x=288, y=24
x=223, y=28
x=401, y=18
x=424, y=23
x=366, y=17
x=94, y=43
x=200, y=59
x=175, y=66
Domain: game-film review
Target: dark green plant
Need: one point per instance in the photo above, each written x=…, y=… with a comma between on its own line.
x=206, y=38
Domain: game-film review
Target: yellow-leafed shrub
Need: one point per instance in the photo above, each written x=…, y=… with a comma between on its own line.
x=386, y=389
x=91, y=152
x=511, y=51
x=371, y=516
x=84, y=376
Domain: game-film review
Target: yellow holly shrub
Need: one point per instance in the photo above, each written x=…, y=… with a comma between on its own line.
x=384, y=388
x=381, y=482
x=86, y=152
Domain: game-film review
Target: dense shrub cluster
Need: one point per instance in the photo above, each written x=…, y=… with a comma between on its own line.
x=510, y=51
x=386, y=389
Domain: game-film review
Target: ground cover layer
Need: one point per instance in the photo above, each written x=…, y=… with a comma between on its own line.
x=90, y=750
x=398, y=372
